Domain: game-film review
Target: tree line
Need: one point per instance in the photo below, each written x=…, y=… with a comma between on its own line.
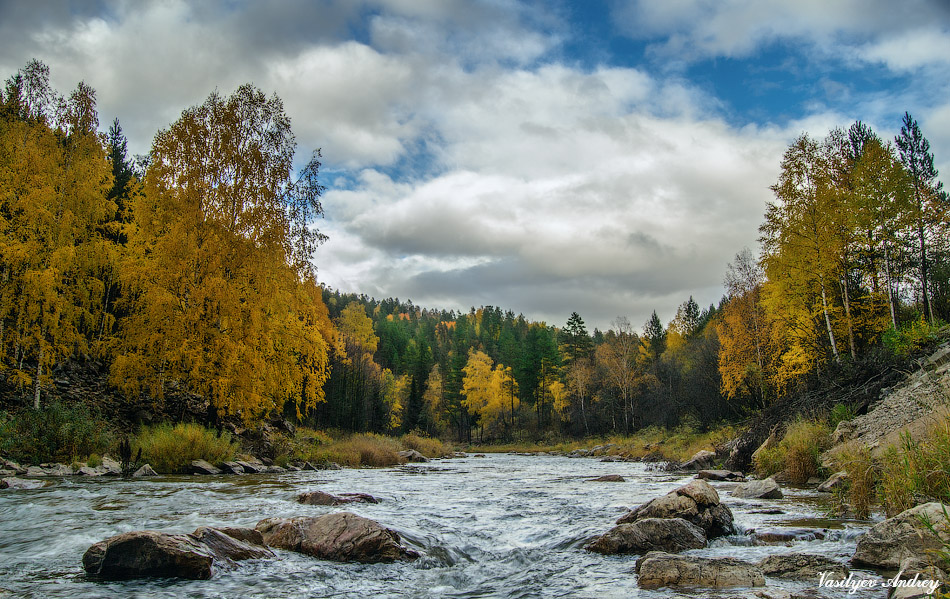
x=189, y=270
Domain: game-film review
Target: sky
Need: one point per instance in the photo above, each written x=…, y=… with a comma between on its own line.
x=608, y=157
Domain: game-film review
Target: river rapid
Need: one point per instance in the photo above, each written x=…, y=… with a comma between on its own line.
x=507, y=526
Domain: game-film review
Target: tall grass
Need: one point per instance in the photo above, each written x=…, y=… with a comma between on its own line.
x=902, y=475
x=427, y=446
x=862, y=480
x=797, y=454
x=170, y=449
x=54, y=433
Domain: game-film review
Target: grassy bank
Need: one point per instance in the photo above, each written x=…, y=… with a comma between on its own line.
x=678, y=444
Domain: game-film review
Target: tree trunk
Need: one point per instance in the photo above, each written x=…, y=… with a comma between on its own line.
x=831, y=333
x=887, y=283
x=924, y=267
x=847, y=313
x=36, y=383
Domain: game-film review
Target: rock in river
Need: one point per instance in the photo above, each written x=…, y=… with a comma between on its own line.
x=321, y=498
x=607, y=478
x=758, y=489
x=701, y=460
x=696, y=502
x=342, y=536
x=904, y=536
x=657, y=569
x=650, y=534
x=149, y=553
x=803, y=566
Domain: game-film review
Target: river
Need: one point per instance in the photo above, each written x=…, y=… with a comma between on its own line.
x=507, y=526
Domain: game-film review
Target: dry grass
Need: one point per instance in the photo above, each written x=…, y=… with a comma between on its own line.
x=797, y=454
x=170, y=449
x=430, y=448
x=678, y=444
x=862, y=476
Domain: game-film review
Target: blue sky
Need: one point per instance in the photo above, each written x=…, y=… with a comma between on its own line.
x=607, y=157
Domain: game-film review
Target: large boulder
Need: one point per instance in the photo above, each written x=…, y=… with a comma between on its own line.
x=758, y=489
x=657, y=569
x=803, y=566
x=321, y=498
x=650, y=534
x=701, y=460
x=149, y=553
x=696, y=502
x=342, y=536
x=903, y=537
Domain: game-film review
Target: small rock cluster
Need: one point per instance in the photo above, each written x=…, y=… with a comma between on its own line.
x=682, y=519
x=341, y=536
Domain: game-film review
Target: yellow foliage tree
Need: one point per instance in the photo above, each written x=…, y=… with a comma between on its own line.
x=54, y=177
x=221, y=299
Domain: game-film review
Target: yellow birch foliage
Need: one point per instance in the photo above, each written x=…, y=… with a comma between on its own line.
x=54, y=177
x=219, y=304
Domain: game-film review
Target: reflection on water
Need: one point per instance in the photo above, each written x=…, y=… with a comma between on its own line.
x=504, y=526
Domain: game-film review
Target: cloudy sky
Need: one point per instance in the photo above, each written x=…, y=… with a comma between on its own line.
x=605, y=157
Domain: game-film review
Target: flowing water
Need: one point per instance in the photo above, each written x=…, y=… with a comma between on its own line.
x=502, y=526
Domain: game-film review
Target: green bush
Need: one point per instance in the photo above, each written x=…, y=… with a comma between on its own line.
x=54, y=433
x=910, y=337
x=840, y=413
x=170, y=449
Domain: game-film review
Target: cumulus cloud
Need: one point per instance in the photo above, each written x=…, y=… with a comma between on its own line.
x=469, y=162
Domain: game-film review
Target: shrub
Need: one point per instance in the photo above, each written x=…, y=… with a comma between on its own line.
x=769, y=461
x=910, y=337
x=840, y=413
x=54, y=433
x=170, y=449
x=431, y=448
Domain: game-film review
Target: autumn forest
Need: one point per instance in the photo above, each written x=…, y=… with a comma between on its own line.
x=191, y=270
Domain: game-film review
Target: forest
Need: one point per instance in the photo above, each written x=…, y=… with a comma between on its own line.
x=191, y=270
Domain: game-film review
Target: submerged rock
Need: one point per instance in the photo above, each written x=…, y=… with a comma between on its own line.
x=608, y=478
x=342, y=536
x=657, y=569
x=888, y=543
x=321, y=498
x=696, y=502
x=650, y=534
x=758, y=489
x=771, y=536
